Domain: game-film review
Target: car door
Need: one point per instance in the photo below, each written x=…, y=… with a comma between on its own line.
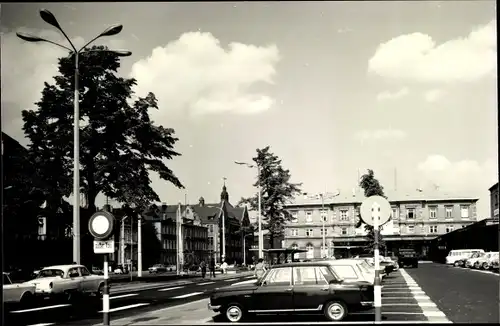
x=310, y=288
x=275, y=294
x=87, y=283
x=74, y=281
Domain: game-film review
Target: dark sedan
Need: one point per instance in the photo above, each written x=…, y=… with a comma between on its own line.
x=309, y=287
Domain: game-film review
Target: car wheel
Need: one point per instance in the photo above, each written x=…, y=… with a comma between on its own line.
x=476, y=265
x=234, y=313
x=456, y=264
x=486, y=266
x=27, y=300
x=335, y=311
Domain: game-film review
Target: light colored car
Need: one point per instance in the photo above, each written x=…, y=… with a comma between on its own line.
x=171, y=268
x=485, y=261
x=473, y=259
x=456, y=256
x=370, y=262
x=14, y=293
x=157, y=268
x=353, y=270
x=66, y=281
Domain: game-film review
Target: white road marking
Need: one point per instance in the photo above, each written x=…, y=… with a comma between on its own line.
x=127, y=307
x=172, y=288
x=251, y=276
x=206, y=283
x=43, y=324
x=429, y=308
x=186, y=295
x=40, y=308
x=123, y=296
x=399, y=304
x=231, y=279
x=397, y=292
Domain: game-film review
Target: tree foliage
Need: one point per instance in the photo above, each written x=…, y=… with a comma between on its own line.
x=276, y=191
x=371, y=187
x=119, y=143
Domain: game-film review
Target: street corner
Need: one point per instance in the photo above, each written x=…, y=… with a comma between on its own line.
x=192, y=313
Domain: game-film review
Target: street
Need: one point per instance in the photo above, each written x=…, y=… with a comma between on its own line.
x=464, y=295
x=124, y=301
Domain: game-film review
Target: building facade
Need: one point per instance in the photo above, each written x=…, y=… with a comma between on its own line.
x=416, y=219
x=494, y=201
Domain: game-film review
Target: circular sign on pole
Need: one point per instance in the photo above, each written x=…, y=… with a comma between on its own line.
x=375, y=207
x=101, y=225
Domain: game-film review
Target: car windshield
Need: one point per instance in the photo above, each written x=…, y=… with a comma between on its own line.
x=6, y=279
x=365, y=267
x=50, y=273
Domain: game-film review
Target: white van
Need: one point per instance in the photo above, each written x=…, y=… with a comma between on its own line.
x=459, y=254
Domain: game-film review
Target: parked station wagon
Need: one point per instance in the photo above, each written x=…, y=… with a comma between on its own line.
x=309, y=287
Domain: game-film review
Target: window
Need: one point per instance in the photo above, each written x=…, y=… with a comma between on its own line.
x=310, y=251
x=324, y=216
x=410, y=213
x=280, y=276
x=449, y=212
x=464, y=211
x=84, y=271
x=344, y=215
x=210, y=242
x=295, y=217
x=394, y=213
x=449, y=228
x=73, y=272
x=345, y=272
x=411, y=228
x=211, y=228
x=309, y=232
x=343, y=231
x=6, y=279
x=324, y=230
x=294, y=232
x=432, y=212
x=295, y=246
x=433, y=229
x=324, y=272
x=305, y=275
x=309, y=217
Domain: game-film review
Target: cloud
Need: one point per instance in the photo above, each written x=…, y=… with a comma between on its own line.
x=461, y=177
x=433, y=95
x=380, y=134
x=417, y=57
x=387, y=95
x=195, y=73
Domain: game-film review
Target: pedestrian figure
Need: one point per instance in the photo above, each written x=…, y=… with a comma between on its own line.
x=203, y=268
x=212, y=267
x=260, y=269
x=223, y=267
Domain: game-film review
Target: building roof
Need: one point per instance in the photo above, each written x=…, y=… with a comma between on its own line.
x=357, y=196
x=494, y=186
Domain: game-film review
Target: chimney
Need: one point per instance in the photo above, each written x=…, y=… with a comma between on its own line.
x=305, y=195
x=201, y=201
x=354, y=192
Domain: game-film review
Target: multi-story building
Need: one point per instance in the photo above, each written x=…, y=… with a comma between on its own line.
x=236, y=220
x=417, y=218
x=194, y=235
x=494, y=201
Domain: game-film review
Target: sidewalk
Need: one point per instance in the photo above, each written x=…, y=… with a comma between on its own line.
x=193, y=313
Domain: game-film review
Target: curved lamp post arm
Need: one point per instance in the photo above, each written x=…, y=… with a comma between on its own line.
x=32, y=38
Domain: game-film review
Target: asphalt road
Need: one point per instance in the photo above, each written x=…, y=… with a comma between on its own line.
x=122, y=304
x=464, y=295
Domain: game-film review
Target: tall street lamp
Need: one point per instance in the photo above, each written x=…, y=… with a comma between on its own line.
x=323, y=219
x=49, y=18
x=259, y=217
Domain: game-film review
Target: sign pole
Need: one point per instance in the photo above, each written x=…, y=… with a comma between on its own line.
x=105, y=293
x=377, y=283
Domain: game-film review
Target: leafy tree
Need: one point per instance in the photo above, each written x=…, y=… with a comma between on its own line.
x=371, y=187
x=276, y=191
x=119, y=143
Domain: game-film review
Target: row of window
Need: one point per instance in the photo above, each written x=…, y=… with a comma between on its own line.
x=188, y=245
x=345, y=231
x=410, y=214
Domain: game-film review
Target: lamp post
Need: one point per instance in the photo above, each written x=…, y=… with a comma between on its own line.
x=49, y=18
x=323, y=220
x=259, y=217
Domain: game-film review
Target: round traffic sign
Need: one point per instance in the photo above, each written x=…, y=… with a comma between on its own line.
x=375, y=207
x=101, y=225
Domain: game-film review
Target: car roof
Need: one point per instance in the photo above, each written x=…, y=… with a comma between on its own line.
x=302, y=264
x=63, y=267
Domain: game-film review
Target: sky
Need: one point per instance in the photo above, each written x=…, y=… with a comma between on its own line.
x=407, y=89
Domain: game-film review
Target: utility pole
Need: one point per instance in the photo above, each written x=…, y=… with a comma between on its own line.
x=139, y=247
x=323, y=217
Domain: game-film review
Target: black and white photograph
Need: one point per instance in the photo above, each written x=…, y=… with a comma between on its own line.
x=249, y=162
